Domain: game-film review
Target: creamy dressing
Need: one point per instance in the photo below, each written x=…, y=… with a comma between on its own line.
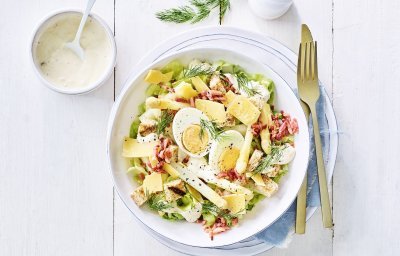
x=60, y=65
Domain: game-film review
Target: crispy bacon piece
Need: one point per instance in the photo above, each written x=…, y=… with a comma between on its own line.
x=164, y=152
x=192, y=102
x=231, y=175
x=256, y=128
x=213, y=95
x=283, y=125
x=218, y=227
x=293, y=126
x=183, y=100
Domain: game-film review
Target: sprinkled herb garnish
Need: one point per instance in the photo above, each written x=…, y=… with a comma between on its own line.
x=214, y=130
x=209, y=207
x=243, y=83
x=266, y=162
x=197, y=70
x=164, y=121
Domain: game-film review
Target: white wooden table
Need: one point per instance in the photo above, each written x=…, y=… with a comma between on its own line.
x=56, y=196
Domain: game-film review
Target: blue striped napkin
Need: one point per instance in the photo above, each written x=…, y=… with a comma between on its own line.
x=280, y=232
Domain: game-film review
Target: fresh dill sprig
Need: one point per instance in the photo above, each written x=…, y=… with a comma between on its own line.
x=197, y=70
x=224, y=6
x=202, y=10
x=195, y=11
x=209, y=207
x=180, y=14
x=212, y=128
x=158, y=203
x=243, y=83
x=265, y=163
x=164, y=121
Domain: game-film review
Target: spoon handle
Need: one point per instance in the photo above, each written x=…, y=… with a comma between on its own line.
x=89, y=6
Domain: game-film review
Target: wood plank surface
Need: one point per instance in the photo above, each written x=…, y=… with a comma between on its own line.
x=366, y=182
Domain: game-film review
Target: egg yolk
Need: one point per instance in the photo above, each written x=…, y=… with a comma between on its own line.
x=193, y=140
x=228, y=158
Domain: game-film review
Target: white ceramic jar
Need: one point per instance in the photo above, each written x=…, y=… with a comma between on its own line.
x=270, y=9
x=62, y=70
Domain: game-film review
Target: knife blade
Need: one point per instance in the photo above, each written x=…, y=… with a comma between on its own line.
x=306, y=35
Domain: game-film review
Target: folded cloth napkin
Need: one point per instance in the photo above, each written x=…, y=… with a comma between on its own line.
x=280, y=232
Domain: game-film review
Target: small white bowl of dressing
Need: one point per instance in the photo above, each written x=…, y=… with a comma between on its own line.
x=58, y=67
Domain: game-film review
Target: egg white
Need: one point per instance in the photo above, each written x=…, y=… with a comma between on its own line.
x=229, y=139
x=184, y=118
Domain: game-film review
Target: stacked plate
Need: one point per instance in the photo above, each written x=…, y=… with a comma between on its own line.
x=276, y=57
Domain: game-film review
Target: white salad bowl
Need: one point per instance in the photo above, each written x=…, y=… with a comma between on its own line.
x=264, y=213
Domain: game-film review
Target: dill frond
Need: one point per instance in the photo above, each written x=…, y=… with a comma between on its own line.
x=209, y=207
x=203, y=10
x=212, y=128
x=224, y=6
x=195, y=11
x=164, y=121
x=197, y=70
x=243, y=83
x=180, y=14
x=276, y=154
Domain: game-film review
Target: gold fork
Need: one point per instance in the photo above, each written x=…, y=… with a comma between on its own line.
x=309, y=93
x=300, y=226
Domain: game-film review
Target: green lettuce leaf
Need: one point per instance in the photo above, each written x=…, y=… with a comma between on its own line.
x=174, y=66
x=257, y=198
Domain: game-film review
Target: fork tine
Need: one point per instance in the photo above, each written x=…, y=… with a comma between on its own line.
x=299, y=64
x=312, y=63
x=303, y=61
x=308, y=60
x=314, y=60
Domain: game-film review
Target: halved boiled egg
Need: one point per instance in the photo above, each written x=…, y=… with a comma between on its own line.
x=225, y=152
x=188, y=133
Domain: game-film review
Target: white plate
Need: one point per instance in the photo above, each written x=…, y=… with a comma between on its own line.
x=273, y=54
x=125, y=110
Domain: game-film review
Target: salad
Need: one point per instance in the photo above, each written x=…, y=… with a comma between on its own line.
x=208, y=144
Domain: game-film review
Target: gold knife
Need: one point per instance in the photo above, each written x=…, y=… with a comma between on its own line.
x=302, y=194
